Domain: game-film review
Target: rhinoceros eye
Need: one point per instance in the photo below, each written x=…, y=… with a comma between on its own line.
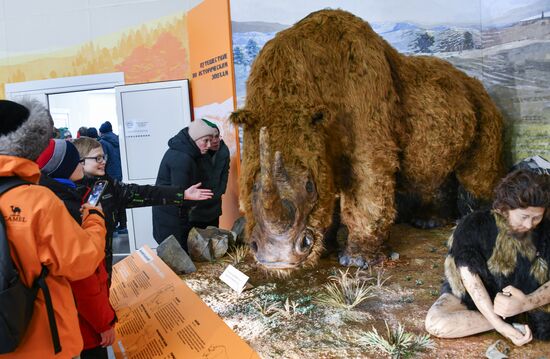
x=309, y=186
x=305, y=243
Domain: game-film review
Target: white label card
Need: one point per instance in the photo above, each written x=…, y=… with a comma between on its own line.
x=234, y=278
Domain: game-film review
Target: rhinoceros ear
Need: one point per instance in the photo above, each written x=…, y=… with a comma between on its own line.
x=319, y=116
x=241, y=117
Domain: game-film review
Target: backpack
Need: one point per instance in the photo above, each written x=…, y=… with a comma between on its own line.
x=16, y=300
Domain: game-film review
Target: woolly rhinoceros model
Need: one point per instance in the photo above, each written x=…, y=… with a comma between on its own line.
x=334, y=112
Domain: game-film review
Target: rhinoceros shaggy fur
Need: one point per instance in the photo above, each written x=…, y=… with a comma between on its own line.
x=347, y=117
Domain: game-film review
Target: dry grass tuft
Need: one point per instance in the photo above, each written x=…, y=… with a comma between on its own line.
x=289, y=308
x=237, y=254
x=265, y=309
x=380, y=277
x=345, y=290
x=399, y=343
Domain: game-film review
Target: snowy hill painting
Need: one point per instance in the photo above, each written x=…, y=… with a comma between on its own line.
x=503, y=43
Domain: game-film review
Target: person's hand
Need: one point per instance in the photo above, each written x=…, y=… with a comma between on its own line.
x=195, y=193
x=511, y=301
x=517, y=337
x=88, y=206
x=108, y=337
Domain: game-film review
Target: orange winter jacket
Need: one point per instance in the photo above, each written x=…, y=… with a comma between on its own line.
x=40, y=230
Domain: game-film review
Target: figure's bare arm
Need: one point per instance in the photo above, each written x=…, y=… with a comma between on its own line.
x=477, y=291
x=513, y=301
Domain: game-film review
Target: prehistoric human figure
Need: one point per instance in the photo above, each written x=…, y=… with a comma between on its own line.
x=348, y=117
x=499, y=254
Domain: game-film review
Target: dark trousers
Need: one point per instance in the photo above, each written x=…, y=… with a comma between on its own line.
x=121, y=218
x=213, y=223
x=94, y=353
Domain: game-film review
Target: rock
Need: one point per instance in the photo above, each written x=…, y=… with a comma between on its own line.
x=238, y=230
x=208, y=244
x=497, y=350
x=175, y=257
x=394, y=256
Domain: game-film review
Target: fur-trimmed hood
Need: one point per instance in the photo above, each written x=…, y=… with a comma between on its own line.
x=32, y=136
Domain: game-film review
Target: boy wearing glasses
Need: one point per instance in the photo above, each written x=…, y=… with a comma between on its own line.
x=118, y=196
x=62, y=169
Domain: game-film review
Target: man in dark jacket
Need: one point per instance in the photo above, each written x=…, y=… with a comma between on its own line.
x=214, y=169
x=179, y=167
x=111, y=147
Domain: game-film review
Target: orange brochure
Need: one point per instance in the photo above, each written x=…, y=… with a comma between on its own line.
x=159, y=316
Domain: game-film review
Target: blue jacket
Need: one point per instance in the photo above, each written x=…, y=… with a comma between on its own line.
x=111, y=147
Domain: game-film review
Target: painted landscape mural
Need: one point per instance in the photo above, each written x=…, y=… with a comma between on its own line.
x=504, y=44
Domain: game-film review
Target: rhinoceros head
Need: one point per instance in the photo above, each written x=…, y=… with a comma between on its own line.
x=282, y=200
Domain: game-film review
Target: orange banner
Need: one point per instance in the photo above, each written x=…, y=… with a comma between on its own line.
x=210, y=52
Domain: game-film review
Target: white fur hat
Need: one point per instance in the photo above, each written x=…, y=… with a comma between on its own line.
x=25, y=128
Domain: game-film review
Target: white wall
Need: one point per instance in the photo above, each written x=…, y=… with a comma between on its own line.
x=85, y=108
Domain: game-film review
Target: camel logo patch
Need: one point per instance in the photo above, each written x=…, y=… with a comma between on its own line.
x=15, y=215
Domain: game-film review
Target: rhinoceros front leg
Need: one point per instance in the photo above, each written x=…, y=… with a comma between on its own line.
x=368, y=212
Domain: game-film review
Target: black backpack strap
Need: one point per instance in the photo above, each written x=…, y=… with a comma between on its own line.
x=41, y=283
x=7, y=183
x=8, y=273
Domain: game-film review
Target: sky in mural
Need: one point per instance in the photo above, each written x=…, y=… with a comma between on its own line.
x=427, y=12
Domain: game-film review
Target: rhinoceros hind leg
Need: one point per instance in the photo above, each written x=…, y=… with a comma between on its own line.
x=432, y=210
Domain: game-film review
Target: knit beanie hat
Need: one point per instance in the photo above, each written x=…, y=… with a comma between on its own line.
x=25, y=128
x=106, y=127
x=199, y=129
x=211, y=124
x=92, y=133
x=59, y=159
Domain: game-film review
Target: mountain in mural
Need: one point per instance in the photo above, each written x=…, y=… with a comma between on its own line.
x=256, y=26
x=511, y=59
x=519, y=13
x=408, y=38
x=404, y=36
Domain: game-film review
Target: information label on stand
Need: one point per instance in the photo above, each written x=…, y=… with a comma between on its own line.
x=160, y=316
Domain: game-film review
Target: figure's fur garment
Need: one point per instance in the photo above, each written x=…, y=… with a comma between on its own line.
x=340, y=102
x=481, y=243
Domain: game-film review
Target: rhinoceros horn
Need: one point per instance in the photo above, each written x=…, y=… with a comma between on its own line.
x=274, y=180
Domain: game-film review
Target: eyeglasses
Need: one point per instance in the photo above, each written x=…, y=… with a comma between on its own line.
x=98, y=159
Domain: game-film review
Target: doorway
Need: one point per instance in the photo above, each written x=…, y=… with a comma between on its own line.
x=77, y=101
x=91, y=108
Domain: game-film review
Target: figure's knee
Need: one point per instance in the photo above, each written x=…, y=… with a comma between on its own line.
x=439, y=322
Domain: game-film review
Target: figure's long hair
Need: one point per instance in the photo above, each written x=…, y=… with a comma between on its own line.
x=521, y=189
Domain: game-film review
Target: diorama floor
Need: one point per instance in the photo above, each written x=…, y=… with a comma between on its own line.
x=311, y=330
